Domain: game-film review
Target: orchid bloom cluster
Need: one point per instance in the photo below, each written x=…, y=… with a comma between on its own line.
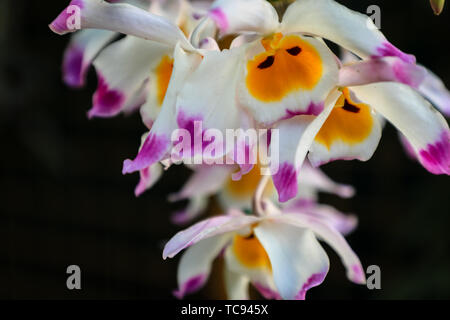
x=212, y=66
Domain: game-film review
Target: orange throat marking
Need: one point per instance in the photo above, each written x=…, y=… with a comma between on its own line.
x=348, y=122
x=289, y=64
x=250, y=253
x=163, y=75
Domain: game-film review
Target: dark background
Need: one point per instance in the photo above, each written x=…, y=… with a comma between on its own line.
x=64, y=200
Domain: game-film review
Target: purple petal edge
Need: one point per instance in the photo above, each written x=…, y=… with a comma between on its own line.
x=387, y=49
x=313, y=109
x=107, y=102
x=357, y=274
x=142, y=186
x=436, y=157
x=315, y=280
x=74, y=70
x=267, y=293
x=190, y=286
x=59, y=25
x=153, y=150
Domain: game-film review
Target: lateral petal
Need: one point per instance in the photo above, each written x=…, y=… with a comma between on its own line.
x=330, y=20
x=206, y=229
x=298, y=260
x=121, y=17
x=333, y=238
x=195, y=264
x=295, y=138
x=122, y=68
x=423, y=126
x=434, y=89
x=81, y=51
x=158, y=142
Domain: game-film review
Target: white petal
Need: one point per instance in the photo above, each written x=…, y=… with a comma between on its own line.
x=236, y=16
x=158, y=143
x=206, y=229
x=330, y=20
x=122, y=18
x=298, y=260
x=149, y=177
x=327, y=214
x=424, y=127
x=81, y=51
x=434, y=89
x=206, y=180
x=195, y=264
x=197, y=205
x=317, y=179
x=209, y=102
x=122, y=68
x=236, y=285
x=381, y=70
x=333, y=238
x=295, y=138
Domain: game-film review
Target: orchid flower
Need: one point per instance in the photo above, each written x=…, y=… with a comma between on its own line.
x=277, y=252
x=208, y=180
x=132, y=70
x=84, y=46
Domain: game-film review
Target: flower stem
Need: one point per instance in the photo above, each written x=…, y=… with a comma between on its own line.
x=258, y=196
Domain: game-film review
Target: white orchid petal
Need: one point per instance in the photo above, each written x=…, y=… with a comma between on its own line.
x=158, y=142
x=122, y=18
x=206, y=229
x=195, y=264
x=295, y=138
x=434, y=89
x=148, y=177
x=381, y=70
x=236, y=285
x=122, y=68
x=333, y=238
x=423, y=126
x=352, y=30
x=81, y=51
x=236, y=16
x=205, y=181
x=298, y=260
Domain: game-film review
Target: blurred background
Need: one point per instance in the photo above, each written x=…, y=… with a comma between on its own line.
x=64, y=200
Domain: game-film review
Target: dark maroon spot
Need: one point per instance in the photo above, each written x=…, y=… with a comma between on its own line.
x=267, y=63
x=294, y=51
x=350, y=108
x=250, y=236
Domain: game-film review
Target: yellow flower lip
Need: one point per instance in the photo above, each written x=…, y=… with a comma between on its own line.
x=288, y=64
x=348, y=122
x=163, y=75
x=249, y=252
